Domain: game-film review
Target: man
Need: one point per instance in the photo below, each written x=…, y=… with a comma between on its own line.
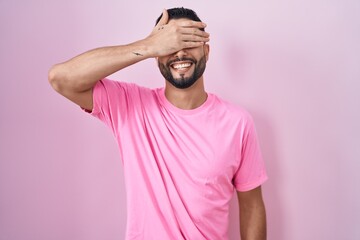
x=184, y=151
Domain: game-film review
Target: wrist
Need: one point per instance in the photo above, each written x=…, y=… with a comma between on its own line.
x=144, y=48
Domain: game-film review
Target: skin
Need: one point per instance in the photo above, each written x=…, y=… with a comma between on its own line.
x=169, y=40
x=252, y=215
x=195, y=95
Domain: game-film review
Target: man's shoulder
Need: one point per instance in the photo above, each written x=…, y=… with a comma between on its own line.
x=115, y=83
x=127, y=86
x=233, y=110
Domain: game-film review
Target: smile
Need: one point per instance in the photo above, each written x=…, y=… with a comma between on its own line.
x=181, y=65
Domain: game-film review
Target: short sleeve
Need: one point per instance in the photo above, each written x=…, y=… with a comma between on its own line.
x=112, y=102
x=251, y=172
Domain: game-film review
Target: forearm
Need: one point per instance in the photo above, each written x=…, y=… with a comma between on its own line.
x=253, y=221
x=83, y=71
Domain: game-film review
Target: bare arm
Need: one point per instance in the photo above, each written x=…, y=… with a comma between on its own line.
x=75, y=78
x=84, y=70
x=252, y=215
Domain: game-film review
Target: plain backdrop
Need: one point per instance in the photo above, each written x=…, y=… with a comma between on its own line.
x=295, y=65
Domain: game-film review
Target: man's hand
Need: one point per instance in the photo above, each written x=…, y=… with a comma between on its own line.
x=75, y=78
x=169, y=37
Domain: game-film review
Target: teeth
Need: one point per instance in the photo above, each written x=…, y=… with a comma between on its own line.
x=181, y=65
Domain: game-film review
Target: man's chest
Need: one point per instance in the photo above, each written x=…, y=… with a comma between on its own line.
x=203, y=145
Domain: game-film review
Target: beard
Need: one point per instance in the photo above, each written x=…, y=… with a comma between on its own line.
x=183, y=82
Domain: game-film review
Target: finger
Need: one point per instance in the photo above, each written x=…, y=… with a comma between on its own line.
x=193, y=24
x=194, y=38
x=192, y=44
x=194, y=31
x=164, y=18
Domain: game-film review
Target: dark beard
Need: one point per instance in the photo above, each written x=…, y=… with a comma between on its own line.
x=183, y=82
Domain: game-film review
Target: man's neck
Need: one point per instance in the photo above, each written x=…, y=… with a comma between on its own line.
x=187, y=99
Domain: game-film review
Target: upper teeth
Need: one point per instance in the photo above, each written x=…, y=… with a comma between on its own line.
x=181, y=65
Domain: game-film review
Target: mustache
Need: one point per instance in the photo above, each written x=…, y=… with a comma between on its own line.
x=179, y=60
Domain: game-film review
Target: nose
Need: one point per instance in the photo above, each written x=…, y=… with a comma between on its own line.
x=180, y=54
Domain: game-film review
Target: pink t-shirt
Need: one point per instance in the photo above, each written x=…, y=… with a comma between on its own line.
x=181, y=167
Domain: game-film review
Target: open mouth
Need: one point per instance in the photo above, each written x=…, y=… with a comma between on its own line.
x=181, y=66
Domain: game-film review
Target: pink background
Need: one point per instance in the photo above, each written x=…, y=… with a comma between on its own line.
x=295, y=66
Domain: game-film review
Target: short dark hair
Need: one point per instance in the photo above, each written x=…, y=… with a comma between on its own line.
x=176, y=13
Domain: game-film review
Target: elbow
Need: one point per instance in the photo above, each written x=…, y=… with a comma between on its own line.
x=56, y=78
x=62, y=79
x=52, y=74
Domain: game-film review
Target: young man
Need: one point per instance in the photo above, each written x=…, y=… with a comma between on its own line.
x=184, y=151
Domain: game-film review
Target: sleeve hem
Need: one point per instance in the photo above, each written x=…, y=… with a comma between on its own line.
x=91, y=112
x=250, y=186
x=95, y=93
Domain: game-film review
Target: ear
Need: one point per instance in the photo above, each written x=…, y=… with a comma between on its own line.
x=206, y=50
